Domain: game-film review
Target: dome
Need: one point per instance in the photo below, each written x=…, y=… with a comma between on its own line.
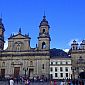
x=74, y=43
x=44, y=22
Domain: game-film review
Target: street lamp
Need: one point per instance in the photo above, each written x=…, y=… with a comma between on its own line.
x=25, y=70
x=73, y=69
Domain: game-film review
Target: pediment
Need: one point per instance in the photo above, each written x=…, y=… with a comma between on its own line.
x=19, y=36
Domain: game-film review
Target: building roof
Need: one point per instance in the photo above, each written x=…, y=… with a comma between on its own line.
x=58, y=53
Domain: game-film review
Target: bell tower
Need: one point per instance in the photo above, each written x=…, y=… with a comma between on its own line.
x=2, y=29
x=44, y=37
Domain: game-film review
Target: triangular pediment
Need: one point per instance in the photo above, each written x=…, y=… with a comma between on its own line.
x=19, y=36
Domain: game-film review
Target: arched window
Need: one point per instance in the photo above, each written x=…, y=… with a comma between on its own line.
x=18, y=45
x=43, y=45
x=43, y=30
x=43, y=66
x=73, y=48
x=31, y=63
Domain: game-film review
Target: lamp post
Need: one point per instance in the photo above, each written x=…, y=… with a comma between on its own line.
x=25, y=70
x=73, y=69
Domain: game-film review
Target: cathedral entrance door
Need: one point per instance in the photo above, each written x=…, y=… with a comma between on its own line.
x=31, y=71
x=16, y=71
x=2, y=72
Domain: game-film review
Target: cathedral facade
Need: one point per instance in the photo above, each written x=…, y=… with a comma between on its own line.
x=19, y=59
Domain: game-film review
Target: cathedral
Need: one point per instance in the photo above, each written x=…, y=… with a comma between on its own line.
x=19, y=59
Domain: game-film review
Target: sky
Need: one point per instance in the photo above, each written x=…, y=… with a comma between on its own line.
x=66, y=19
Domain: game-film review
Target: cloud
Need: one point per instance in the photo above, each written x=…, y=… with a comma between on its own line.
x=6, y=44
x=66, y=50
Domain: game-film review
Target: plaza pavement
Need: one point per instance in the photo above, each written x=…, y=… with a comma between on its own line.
x=32, y=83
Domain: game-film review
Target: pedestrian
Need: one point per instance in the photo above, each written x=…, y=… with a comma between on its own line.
x=61, y=83
x=51, y=83
x=11, y=81
x=69, y=82
x=73, y=82
x=82, y=82
x=27, y=82
x=55, y=82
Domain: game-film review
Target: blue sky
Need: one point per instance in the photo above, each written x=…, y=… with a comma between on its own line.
x=66, y=19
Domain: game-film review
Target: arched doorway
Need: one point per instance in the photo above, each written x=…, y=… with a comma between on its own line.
x=82, y=75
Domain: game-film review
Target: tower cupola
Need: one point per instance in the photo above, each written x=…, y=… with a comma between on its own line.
x=44, y=22
x=82, y=45
x=74, y=45
x=44, y=36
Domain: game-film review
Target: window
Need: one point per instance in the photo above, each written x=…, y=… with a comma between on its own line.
x=61, y=62
x=56, y=63
x=18, y=45
x=55, y=69
x=61, y=74
x=56, y=75
x=66, y=74
x=43, y=66
x=51, y=76
x=51, y=69
x=3, y=64
x=31, y=63
x=73, y=48
x=51, y=63
x=66, y=62
x=66, y=68
x=61, y=69
x=43, y=30
x=43, y=45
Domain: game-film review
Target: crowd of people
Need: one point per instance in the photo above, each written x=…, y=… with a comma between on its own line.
x=67, y=82
x=27, y=81
x=24, y=81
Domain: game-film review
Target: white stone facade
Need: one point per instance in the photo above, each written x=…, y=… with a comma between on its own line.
x=60, y=68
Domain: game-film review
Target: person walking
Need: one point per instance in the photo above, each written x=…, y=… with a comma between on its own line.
x=11, y=81
x=27, y=82
x=51, y=82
